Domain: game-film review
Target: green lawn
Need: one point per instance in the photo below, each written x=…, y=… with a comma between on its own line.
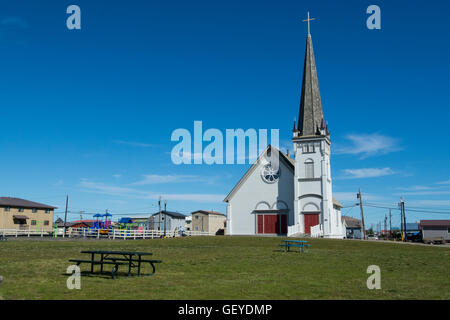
x=231, y=268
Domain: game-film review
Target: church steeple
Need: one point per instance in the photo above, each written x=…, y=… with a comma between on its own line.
x=310, y=119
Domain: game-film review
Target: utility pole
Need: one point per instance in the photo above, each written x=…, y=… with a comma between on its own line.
x=65, y=216
x=363, y=229
x=402, y=218
x=390, y=224
x=385, y=226
x=165, y=216
x=159, y=205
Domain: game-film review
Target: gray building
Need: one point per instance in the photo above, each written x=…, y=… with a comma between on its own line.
x=173, y=221
x=352, y=228
x=435, y=230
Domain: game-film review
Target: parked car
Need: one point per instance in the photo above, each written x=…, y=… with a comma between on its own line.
x=414, y=237
x=372, y=237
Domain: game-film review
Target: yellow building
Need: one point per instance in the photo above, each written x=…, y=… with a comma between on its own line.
x=208, y=221
x=22, y=214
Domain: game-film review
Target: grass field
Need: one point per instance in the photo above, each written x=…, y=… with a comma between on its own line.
x=231, y=268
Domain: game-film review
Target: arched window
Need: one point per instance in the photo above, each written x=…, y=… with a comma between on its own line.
x=309, y=168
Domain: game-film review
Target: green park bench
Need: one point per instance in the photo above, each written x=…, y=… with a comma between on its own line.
x=303, y=246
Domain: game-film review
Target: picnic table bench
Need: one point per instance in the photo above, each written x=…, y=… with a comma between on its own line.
x=132, y=259
x=302, y=245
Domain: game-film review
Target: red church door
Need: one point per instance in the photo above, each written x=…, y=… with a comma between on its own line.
x=311, y=220
x=260, y=223
x=272, y=223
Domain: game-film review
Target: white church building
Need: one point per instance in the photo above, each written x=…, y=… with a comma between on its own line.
x=294, y=198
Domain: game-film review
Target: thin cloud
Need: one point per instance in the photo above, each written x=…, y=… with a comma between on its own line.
x=107, y=189
x=14, y=22
x=159, y=179
x=133, y=143
x=13, y=31
x=101, y=188
x=368, y=145
x=431, y=203
x=443, y=182
x=426, y=193
x=351, y=196
x=414, y=188
x=209, y=198
x=367, y=173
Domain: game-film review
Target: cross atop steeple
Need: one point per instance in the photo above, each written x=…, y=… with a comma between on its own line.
x=308, y=20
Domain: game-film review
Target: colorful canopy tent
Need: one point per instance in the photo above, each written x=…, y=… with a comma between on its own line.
x=126, y=220
x=126, y=223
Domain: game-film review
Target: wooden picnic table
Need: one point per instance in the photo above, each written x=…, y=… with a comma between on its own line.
x=300, y=244
x=131, y=258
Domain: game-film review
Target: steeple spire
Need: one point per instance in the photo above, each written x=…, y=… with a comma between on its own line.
x=310, y=119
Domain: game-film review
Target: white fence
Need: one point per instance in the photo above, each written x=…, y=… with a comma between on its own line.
x=294, y=229
x=100, y=233
x=19, y=232
x=129, y=234
x=317, y=231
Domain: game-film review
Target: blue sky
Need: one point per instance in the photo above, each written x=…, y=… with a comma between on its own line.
x=90, y=112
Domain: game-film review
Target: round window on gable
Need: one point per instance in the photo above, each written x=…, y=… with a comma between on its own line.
x=269, y=174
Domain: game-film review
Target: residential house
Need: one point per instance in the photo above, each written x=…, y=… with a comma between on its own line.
x=435, y=230
x=209, y=221
x=140, y=223
x=21, y=214
x=351, y=228
x=73, y=224
x=167, y=220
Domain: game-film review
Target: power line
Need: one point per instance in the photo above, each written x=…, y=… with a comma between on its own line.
x=421, y=209
x=412, y=210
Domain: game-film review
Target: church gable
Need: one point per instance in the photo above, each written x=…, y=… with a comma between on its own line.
x=262, y=197
x=259, y=176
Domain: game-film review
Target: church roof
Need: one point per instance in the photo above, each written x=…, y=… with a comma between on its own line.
x=310, y=120
x=337, y=203
x=287, y=160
